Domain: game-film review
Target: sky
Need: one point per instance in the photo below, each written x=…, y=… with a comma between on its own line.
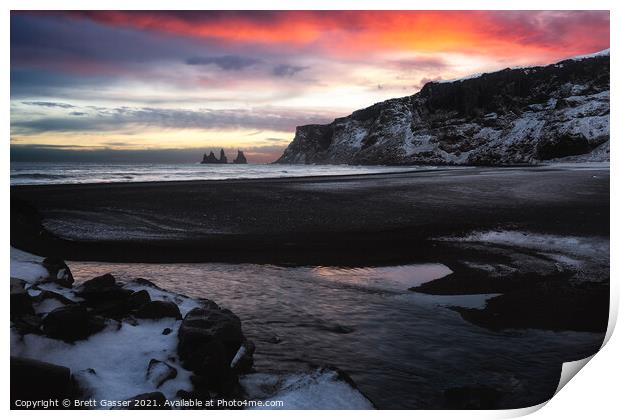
x=169, y=86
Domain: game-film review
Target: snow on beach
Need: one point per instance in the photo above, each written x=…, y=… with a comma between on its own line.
x=588, y=256
x=115, y=363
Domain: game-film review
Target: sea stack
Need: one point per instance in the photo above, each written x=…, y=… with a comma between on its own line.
x=209, y=159
x=223, y=158
x=240, y=157
x=212, y=159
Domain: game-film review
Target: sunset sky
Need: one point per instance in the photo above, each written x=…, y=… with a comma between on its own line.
x=169, y=85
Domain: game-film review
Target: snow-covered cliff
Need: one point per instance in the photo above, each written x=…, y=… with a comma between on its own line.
x=521, y=115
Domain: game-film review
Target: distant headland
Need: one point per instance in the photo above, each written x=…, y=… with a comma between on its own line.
x=207, y=159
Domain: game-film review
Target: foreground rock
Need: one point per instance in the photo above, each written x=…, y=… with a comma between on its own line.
x=33, y=380
x=102, y=289
x=158, y=309
x=212, y=344
x=59, y=271
x=21, y=303
x=96, y=331
x=522, y=115
x=71, y=323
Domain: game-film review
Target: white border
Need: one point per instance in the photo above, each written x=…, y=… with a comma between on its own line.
x=593, y=394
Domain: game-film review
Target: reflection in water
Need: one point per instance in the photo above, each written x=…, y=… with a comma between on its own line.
x=403, y=349
x=394, y=278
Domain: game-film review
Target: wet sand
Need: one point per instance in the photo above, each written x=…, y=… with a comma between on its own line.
x=332, y=220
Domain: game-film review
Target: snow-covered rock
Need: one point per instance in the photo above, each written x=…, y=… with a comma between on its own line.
x=519, y=115
x=127, y=357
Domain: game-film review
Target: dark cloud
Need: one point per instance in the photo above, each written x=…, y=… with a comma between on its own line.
x=48, y=104
x=50, y=40
x=112, y=119
x=287, y=70
x=28, y=83
x=78, y=114
x=225, y=62
x=48, y=146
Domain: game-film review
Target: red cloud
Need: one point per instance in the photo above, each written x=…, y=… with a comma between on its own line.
x=543, y=34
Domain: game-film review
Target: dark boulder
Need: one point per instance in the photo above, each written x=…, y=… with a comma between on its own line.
x=138, y=299
x=21, y=303
x=26, y=324
x=157, y=309
x=71, y=323
x=59, y=272
x=159, y=372
x=212, y=345
x=115, y=309
x=212, y=364
x=33, y=380
x=102, y=289
x=166, y=331
x=100, y=282
x=223, y=383
x=209, y=332
x=148, y=401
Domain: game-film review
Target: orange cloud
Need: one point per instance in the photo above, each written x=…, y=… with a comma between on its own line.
x=543, y=34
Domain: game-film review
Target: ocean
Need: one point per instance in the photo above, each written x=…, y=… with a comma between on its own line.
x=26, y=173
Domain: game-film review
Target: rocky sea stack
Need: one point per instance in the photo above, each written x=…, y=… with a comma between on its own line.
x=520, y=115
x=210, y=158
x=240, y=158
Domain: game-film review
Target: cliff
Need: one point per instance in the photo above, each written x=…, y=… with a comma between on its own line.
x=520, y=115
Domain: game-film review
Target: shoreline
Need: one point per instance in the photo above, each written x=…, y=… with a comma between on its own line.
x=427, y=168
x=259, y=180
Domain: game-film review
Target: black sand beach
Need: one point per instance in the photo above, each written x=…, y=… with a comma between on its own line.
x=539, y=258
x=344, y=220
